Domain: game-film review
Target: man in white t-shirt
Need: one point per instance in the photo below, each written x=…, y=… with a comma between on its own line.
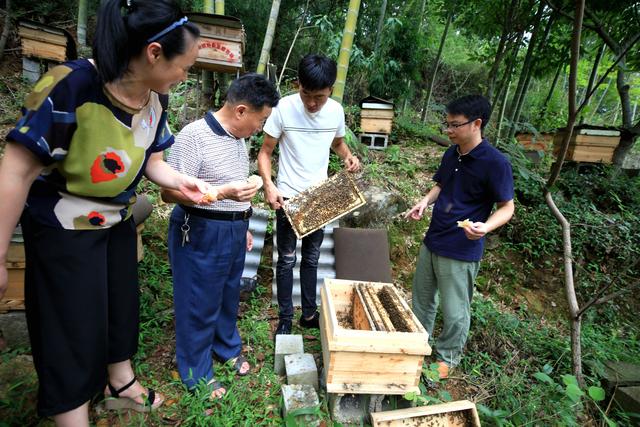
x=307, y=125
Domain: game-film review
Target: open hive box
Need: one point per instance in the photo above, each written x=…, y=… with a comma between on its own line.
x=453, y=414
x=320, y=204
x=372, y=343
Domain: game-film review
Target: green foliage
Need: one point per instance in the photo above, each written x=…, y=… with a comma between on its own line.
x=601, y=205
x=407, y=127
x=522, y=360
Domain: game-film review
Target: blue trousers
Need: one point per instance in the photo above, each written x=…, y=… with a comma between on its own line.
x=287, y=241
x=206, y=291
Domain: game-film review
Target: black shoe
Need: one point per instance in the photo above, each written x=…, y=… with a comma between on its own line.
x=314, y=322
x=284, y=327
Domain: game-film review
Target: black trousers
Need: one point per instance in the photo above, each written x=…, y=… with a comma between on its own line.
x=82, y=306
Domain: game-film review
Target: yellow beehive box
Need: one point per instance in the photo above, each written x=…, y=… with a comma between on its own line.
x=589, y=144
x=45, y=42
x=376, y=115
x=368, y=361
x=13, y=298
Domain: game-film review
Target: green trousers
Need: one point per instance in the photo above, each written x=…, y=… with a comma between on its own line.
x=451, y=282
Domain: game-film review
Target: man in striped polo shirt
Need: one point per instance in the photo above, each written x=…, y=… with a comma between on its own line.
x=307, y=125
x=208, y=243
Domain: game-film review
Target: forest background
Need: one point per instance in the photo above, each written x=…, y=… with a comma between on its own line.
x=520, y=366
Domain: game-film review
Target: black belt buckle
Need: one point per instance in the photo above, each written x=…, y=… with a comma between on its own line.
x=247, y=214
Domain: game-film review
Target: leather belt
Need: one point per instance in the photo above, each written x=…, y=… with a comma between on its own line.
x=219, y=215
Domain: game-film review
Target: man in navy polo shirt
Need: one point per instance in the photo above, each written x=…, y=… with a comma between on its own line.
x=473, y=177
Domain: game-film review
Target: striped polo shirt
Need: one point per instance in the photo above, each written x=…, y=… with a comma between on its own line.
x=205, y=150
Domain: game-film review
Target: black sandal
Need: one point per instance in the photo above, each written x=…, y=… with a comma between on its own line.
x=237, y=365
x=115, y=402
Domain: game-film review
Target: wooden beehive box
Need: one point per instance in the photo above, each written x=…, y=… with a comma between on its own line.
x=589, y=144
x=376, y=115
x=221, y=43
x=320, y=204
x=367, y=361
x=535, y=142
x=461, y=413
x=46, y=42
x=13, y=298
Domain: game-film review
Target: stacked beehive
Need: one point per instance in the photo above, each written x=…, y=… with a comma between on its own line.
x=376, y=121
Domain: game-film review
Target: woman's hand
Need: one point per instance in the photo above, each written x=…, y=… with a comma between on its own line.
x=196, y=190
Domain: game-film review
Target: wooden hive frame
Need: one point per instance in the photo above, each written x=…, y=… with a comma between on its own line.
x=368, y=361
x=321, y=200
x=461, y=413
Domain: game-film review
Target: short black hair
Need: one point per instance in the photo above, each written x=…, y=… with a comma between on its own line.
x=317, y=72
x=254, y=89
x=472, y=107
x=124, y=28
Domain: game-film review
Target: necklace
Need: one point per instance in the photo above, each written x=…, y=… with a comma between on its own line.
x=461, y=154
x=124, y=100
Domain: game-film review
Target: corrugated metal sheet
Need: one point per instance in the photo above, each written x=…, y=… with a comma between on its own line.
x=326, y=264
x=258, y=227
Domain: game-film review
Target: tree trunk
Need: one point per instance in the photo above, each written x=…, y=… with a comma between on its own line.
x=597, y=107
x=405, y=104
x=422, y=9
x=207, y=76
x=383, y=11
x=628, y=138
x=219, y=6
x=502, y=49
x=493, y=72
x=502, y=110
x=345, y=49
x=5, y=30
x=432, y=81
x=82, y=23
x=293, y=43
x=526, y=69
x=268, y=37
x=574, y=311
x=514, y=48
x=592, y=77
x=545, y=104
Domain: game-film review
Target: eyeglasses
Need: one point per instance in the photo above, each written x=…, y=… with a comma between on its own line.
x=453, y=126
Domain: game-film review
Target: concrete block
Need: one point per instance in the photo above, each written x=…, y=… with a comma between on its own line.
x=348, y=409
x=13, y=327
x=286, y=344
x=300, y=396
x=301, y=369
x=628, y=398
x=620, y=374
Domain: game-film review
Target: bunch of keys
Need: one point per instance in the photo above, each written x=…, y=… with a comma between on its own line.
x=185, y=230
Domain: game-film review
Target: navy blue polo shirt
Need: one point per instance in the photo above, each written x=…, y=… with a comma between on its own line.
x=470, y=186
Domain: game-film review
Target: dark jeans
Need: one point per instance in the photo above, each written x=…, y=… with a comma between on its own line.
x=287, y=260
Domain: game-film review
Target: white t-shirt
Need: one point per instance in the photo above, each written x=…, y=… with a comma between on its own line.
x=305, y=142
